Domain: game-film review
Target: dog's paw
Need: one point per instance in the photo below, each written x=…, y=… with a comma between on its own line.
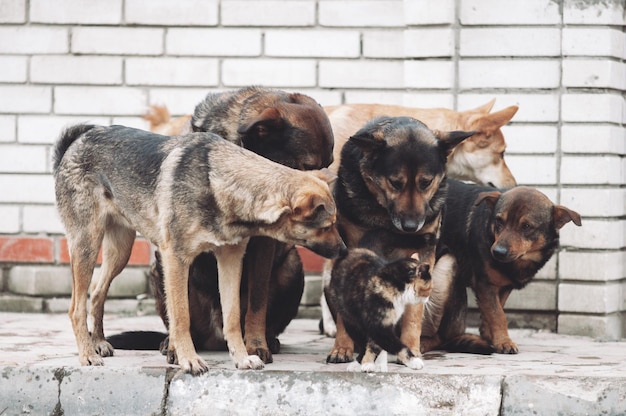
x=274, y=345
x=506, y=347
x=369, y=368
x=104, y=348
x=193, y=366
x=91, y=359
x=330, y=329
x=263, y=353
x=415, y=363
x=354, y=366
x=251, y=362
x=339, y=355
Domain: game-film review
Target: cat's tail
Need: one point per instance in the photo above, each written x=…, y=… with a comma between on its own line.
x=468, y=343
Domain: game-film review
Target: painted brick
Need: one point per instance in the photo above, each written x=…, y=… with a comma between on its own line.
x=213, y=42
x=7, y=128
x=281, y=73
x=509, y=74
x=595, y=234
x=12, y=11
x=593, y=42
x=549, y=270
x=532, y=170
x=33, y=39
x=429, y=42
x=577, y=138
x=323, y=97
x=361, y=74
x=605, y=327
x=510, y=42
x=312, y=290
x=596, y=170
x=141, y=254
x=179, y=101
x=428, y=100
x=46, y=129
x=383, y=44
x=311, y=262
x=355, y=13
x=21, y=304
x=40, y=280
x=429, y=74
x=51, y=69
x=594, y=73
x=132, y=281
x=21, y=249
x=25, y=99
x=24, y=189
x=23, y=159
x=99, y=100
x=76, y=11
x=136, y=122
x=595, y=202
x=14, y=69
x=593, y=265
x=537, y=296
x=428, y=12
x=313, y=43
x=41, y=218
x=117, y=40
x=532, y=107
x=171, y=71
x=9, y=219
x=604, y=298
x=283, y=13
x=495, y=12
x=593, y=13
x=592, y=107
x=165, y=12
x=528, y=138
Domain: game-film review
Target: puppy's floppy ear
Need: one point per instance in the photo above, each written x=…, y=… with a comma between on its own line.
x=490, y=198
x=271, y=213
x=310, y=206
x=259, y=127
x=324, y=174
x=563, y=215
x=447, y=141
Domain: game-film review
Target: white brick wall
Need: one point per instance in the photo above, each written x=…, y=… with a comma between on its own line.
x=563, y=63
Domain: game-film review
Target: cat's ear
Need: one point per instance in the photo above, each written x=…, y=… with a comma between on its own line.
x=415, y=256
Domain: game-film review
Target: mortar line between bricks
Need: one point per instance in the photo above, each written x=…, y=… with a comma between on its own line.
x=559, y=159
x=456, y=26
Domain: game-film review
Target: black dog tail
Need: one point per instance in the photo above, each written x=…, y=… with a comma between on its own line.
x=468, y=343
x=68, y=137
x=137, y=340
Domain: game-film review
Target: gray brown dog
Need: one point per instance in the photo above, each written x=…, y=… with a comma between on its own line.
x=186, y=195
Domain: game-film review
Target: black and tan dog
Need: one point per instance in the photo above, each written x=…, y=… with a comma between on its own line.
x=186, y=195
x=390, y=192
x=499, y=240
x=288, y=128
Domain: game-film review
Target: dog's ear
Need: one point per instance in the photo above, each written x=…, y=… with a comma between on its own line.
x=447, y=141
x=261, y=126
x=271, y=213
x=489, y=123
x=371, y=138
x=324, y=174
x=490, y=198
x=309, y=207
x=563, y=215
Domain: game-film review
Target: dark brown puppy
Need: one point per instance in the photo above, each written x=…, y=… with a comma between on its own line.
x=500, y=240
x=390, y=191
x=293, y=130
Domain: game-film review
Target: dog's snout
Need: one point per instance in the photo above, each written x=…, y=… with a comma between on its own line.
x=500, y=252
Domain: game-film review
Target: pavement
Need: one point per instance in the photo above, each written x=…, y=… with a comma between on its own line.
x=552, y=375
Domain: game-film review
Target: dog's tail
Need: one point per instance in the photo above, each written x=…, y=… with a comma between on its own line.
x=137, y=340
x=468, y=343
x=157, y=115
x=66, y=139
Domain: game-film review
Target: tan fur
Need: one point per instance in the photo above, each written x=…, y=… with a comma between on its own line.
x=478, y=159
x=162, y=123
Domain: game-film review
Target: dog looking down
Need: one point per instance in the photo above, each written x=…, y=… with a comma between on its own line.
x=185, y=194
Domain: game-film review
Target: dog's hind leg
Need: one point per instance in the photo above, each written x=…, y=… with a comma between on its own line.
x=83, y=248
x=116, y=249
x=229, y=266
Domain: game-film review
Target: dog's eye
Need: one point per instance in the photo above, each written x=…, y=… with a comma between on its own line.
x=526, y=227
x=396, y=184
x=498, y=224
x=425, y=183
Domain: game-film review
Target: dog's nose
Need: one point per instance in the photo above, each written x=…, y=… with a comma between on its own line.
x=410, y=226
x=500, y=252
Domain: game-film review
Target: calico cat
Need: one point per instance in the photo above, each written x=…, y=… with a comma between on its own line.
x=370, y=294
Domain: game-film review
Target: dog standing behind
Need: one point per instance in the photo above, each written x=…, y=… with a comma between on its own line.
x=499, y=240
x=186, y=195
x=290, y=129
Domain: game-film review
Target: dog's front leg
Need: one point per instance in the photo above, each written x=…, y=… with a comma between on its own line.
x=258, y=261
x=181, y=349
x=229, y=267
x=494, y=327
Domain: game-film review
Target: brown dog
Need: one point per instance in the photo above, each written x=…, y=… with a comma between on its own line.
x=287, y=128
x=499, y=239
x=479, y=159
x=186, y=195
